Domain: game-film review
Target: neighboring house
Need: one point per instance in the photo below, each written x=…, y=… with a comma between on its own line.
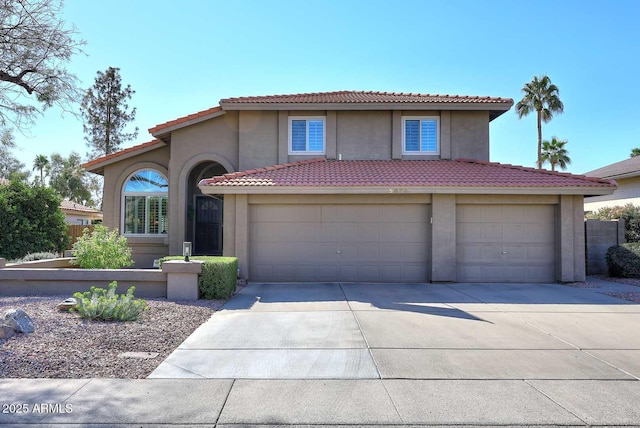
x=79, y=214
x=348, y=186
x=626, y=173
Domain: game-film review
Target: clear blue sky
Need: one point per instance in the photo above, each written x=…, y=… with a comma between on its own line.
x=183, y=57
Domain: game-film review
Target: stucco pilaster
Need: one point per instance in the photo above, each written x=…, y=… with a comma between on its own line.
x=443, y=238
x=445, y=135
x=566, y=243
x=229, y=229
x=579, y=267
x=242, y=235
x=396, y=135
x=332, y=135
x=283, y=136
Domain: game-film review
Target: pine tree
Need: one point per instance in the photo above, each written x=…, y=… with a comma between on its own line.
x=106, y=114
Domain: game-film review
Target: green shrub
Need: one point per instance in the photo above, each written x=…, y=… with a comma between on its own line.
x=102, y=249
x=30, y=220
x=218, y=278
x=624, y=260
x=631, y=215
x=106, y=305
x=38, y=256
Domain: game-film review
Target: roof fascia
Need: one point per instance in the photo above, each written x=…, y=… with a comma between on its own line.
x=169, y=129
x=99, y=167
x=368, y=106
x=274, y=190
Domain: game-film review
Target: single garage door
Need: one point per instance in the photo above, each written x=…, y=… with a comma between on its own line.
x=505, y=243
x=378, y=243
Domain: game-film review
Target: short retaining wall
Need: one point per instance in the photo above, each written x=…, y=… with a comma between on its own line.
x=29, y=281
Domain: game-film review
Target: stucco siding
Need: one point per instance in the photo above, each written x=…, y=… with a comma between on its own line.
x=628, y=192
x=469, y=133
x=364, y=135
x=258, y=139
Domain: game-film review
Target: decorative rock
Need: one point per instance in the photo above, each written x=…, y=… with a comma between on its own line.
x=6, y=332
x=67, y=304
x=19, y=321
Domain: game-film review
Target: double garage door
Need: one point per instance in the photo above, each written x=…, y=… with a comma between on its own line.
x=341, y=242
x=392, y=243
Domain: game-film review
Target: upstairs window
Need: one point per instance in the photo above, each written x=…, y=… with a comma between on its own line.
x=146, y=196
x=420, y=135
x=306, y=135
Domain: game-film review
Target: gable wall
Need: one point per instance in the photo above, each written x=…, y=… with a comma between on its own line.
x=628, y=191
x=470, y=135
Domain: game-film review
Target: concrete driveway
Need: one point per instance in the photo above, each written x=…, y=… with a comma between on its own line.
x=414, y=331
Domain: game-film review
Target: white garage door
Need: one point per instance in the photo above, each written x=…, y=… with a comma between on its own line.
x=381, y=243
x=505, y=243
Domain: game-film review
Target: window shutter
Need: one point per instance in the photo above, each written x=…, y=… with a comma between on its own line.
x=412, y=135
x=316, y=131
x=429, y=140
x=298, y=135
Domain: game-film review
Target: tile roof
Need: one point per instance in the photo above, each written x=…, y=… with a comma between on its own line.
x=184, y=119
x=72, y=206
x=359, y=97
x=410, y=173
x=628, y=167
x=101, y=159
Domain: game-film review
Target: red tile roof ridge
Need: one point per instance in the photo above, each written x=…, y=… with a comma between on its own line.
x=271, y=98
x=120, y=153
x=245, y=173
x=185, y=119
x=537, y=170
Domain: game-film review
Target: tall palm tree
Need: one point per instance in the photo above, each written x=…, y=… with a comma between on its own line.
x=554, y=152
x=40, y=163
x=541, y=96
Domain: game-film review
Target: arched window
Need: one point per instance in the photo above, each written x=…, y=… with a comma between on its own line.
x=145, y=196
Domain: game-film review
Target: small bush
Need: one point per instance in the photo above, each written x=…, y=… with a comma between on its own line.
x=38, y=256
x=102, y=249
x=106, y=305
x=218, y=278
x=624, y=260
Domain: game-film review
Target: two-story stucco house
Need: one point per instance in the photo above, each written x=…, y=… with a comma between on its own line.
x=348, y=186
x=626, y=173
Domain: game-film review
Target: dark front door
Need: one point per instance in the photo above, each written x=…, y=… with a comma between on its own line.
x=208, y=226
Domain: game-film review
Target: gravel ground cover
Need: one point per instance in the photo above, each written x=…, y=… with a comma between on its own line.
x=64, y=345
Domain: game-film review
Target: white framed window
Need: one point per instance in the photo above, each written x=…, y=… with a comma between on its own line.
x=145, y=203
x=421, y=135
x=307, y=135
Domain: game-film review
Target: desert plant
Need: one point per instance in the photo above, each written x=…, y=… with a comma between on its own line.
x=218, y=278
x=106, y=305
x=102, y=249
x=623, y=260
x=39, y=256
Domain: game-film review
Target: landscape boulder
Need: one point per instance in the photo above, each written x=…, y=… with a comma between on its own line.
x=19, y=321
x=67, y=304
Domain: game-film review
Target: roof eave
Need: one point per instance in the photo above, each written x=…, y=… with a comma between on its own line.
x=497, y=108
x=573, y=190
x=163, y=132
x=98, y=168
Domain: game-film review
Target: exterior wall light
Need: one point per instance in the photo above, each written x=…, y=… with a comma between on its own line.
x=186, y=250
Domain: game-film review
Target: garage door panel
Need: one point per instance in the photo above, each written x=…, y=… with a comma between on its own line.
x=505, y=243
x=364, y=242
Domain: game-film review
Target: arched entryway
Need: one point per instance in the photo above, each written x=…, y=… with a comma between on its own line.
x=204, y=223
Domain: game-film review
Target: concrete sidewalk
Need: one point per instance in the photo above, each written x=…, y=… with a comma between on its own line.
x=372, y=354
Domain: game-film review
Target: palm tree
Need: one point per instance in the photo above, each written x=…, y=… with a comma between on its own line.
x=40, y=163
x=635, y=152
x=542, y=96
x=554, y=152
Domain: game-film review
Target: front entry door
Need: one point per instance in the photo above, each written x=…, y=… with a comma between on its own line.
x=208, y=226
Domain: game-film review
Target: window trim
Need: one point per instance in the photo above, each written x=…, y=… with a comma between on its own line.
x=123, y=196
x=420, y=152
x=307, y=119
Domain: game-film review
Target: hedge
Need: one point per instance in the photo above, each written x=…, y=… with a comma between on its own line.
x=218, y=278
x=624, y=260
